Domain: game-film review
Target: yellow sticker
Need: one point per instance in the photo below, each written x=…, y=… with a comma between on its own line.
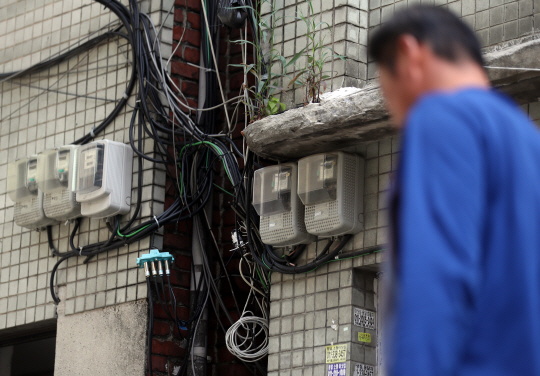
x=364, y=337
x=336, y=353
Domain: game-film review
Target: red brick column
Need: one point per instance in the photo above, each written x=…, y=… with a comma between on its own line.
x=168, y=349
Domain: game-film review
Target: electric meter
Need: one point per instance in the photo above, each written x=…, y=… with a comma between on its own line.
x=331, y=187
x=103, y=178
x=276, y=201
x=22, y=188
x=56, y=173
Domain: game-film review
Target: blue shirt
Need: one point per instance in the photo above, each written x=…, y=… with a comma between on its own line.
x=467, y=239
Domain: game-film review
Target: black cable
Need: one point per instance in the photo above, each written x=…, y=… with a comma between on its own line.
x=53, y=272
x=53, y=249
x=150, y=325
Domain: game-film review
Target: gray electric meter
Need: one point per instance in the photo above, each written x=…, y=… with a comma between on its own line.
x=22, y=188
x=276, y=201
x=103, y=179
x=56, y=178
x=330, y=186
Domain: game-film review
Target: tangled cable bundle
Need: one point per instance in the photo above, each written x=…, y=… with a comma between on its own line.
x=242, y=337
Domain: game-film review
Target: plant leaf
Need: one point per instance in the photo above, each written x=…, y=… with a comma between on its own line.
x=295, y=78
x=295, y=57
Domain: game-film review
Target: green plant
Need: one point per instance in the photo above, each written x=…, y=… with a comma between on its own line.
x=259, y=98
x=312, y=76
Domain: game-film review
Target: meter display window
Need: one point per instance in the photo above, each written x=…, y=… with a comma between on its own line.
x=31, y=174
x=62, y=166
x=90, y=168
x=317, y=178
x=17, y=182
x=272, y=187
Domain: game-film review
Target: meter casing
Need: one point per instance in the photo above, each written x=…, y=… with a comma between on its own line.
x=103, y=181
x=23, y=189
x=276, y=201
x=56, y=178
x=331, y=187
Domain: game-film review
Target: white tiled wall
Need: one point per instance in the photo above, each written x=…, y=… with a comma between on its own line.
x=304, y=306
x=54, y=108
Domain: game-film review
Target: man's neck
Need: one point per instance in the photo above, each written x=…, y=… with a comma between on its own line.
x=451, y=77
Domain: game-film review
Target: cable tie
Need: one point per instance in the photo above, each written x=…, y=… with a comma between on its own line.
x=80, y=251
x=125, y=96
x=92, y=132
x=155, y=219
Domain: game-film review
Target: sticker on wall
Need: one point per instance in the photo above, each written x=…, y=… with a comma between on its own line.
x=337, y=369
x=363, y=318
x=363, y=370
x=364, y=337
x=336, y=353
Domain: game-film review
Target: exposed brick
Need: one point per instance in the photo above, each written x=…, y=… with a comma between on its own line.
x=195, y=20
x=179, y=15
x=160, y=313
x=180, y=278
x=177, y=240
x=191, y=36
x=159, y=363
x=183, y=262
x=192, y=55
x=223, y=47
x=169, y=348
x=224, y=355
x=161, y=328
x=232, y=370
x=183, y=226
x=236, y=80
x=190, y=88
x=192, y=4
x=182, y=296
x=183, y=313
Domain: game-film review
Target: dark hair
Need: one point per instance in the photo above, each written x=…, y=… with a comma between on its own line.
x=448, y=36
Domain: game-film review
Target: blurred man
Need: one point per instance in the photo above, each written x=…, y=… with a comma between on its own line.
x=466, y=206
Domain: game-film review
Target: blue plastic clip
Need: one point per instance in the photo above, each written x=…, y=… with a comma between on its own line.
x=154, y=255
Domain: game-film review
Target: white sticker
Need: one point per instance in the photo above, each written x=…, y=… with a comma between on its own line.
x=56, y=197
x=364, y=319
x=336, y=353
x=90, y=159
x=25, y=208
x=363, y=370
x=275, y=221
x=321, y=211
x=337, y=369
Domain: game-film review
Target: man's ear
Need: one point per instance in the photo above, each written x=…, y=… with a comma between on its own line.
x=409, y=56
x=408, y=47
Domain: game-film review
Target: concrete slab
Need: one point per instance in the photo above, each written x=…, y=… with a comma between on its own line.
x=108, y=341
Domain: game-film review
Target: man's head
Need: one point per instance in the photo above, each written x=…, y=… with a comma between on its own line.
x=421, y=49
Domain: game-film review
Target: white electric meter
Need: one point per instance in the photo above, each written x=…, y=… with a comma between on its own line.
x=103, y=181
x=331, y=187
x=23, y=189
x=56, y=178
x=276, y=201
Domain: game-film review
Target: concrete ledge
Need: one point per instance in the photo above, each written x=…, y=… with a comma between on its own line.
x=349, y=116
x=106, y=341
x=335, y=123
